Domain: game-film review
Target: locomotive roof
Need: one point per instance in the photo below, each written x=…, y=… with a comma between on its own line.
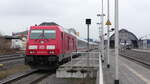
x=48, y=24
x=54, y=24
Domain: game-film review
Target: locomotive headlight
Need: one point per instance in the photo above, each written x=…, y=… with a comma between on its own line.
x=33, y=47
x=51, y=47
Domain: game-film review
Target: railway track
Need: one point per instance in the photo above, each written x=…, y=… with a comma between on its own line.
x=10, y=57
x=141, y=57
x=28, y=77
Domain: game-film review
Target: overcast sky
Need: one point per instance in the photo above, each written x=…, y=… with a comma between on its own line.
x=19, y=15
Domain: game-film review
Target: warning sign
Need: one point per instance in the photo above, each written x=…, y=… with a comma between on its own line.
x=108, y=22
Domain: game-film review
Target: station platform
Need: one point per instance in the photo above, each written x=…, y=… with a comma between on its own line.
x=80, y=67
x=129, y=72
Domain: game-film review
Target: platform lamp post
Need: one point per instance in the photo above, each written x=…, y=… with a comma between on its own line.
x=116, y=81
x=99, y=48
x=108, y=46
x=108, y=23
x=102, y=29
x=88, y=22
x=102, y=36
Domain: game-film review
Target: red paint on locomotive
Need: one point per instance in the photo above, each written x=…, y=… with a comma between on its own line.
x=48, y=42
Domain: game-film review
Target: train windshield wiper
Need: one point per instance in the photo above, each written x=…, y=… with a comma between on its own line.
x=41, y=35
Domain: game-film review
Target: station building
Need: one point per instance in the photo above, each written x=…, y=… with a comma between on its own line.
x=126, y=39
x=144, y=42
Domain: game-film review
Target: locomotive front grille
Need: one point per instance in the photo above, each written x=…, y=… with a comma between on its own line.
x=43, y=59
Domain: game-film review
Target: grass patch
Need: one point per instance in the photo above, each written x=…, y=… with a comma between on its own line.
x=10, y=51
x=3, y=74
x=13, y=70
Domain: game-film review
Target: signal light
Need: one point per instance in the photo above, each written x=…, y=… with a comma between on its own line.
x=88, y=21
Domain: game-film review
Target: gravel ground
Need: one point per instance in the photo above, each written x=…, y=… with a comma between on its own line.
x=11, y=63
x=12, y=67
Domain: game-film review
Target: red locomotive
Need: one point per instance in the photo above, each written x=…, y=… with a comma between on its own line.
x=48, y=44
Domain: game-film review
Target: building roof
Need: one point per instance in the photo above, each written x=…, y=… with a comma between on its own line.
x=23, y=33
x=125, y=35
x=9, y=37
x=146, y=37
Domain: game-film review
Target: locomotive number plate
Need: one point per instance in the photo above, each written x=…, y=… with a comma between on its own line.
x=41, y=52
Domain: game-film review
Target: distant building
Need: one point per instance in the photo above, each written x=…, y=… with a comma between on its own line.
x=21, y=42
x=7, y=42
x=144, y=42
x=4, y=43
x=126, y=38
x=72, y=30
x=21, y=34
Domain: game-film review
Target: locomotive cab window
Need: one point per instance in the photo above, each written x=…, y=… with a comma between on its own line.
x=50, y=34
x=35, y=34
x=42, y=34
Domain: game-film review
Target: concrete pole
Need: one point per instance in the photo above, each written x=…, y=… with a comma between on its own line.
x=108, y=40
x=88, y=64
x=116, y=41
x=99, y=48
x=102, y=31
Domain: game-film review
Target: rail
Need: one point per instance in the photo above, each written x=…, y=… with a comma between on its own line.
x=137, y=59
x=18, y=76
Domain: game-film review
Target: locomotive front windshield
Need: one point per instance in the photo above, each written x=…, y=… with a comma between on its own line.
x=42, y=34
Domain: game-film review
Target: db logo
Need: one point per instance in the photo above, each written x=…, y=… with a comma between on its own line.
x=41, y=47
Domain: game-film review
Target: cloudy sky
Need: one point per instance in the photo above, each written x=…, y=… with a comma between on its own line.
x=19, y=15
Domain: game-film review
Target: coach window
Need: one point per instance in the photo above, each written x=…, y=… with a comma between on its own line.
x=72, y=44
x=68, y=43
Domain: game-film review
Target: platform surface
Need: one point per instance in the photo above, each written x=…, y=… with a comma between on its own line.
x=79, y=64
x=129, y=72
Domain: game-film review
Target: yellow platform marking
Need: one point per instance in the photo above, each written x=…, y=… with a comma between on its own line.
x=147, y=81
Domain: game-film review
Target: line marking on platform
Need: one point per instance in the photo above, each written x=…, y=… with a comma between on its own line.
x=147, y=81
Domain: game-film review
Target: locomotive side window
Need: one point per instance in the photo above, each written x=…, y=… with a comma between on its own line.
x=62, y=36
x=42, y=34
